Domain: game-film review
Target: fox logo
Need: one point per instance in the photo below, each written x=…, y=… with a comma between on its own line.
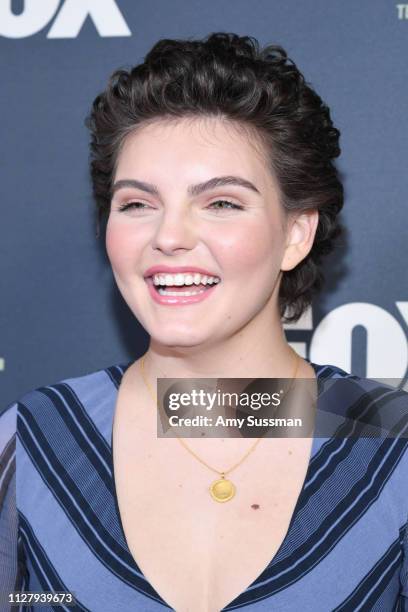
x=70, y=18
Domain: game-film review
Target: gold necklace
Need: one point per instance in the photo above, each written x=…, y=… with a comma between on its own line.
x=222, y=489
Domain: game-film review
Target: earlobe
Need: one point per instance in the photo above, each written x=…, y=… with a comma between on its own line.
x=300, y=239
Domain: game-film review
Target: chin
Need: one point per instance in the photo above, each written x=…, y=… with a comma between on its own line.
x=182, y=339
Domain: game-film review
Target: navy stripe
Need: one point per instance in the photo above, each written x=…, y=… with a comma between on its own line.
x=374, y=583
x=7, y=467
x=116, y=372
x=45, y=572
x=81, y=428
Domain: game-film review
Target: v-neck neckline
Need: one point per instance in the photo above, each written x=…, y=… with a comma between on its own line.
x=318, y=369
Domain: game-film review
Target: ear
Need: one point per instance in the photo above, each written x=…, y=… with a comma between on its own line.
x=301, y=231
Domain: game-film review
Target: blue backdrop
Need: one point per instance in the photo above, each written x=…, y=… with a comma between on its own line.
x=60, y=313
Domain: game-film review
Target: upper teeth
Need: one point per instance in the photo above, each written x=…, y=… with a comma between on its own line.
x=184, y=279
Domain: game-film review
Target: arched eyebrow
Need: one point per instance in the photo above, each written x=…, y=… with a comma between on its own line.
x=193, y=190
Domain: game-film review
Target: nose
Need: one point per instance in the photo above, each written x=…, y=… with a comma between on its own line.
x=174, y=231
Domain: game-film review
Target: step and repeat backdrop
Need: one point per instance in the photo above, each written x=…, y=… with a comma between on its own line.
x=60, y=312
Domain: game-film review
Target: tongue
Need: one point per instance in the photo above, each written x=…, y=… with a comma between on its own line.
x=186, y=287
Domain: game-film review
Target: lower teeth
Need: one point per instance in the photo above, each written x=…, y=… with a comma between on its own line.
x=180, y=293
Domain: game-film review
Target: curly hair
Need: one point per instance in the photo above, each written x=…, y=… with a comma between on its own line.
x=230, y=76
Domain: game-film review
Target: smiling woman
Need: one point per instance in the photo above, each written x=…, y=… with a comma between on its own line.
x=188, y=214
x=214, y=178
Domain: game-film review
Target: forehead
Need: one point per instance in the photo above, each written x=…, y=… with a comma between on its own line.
x=196, y=146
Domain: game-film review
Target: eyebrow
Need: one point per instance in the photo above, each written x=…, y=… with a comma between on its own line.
x=193, y=190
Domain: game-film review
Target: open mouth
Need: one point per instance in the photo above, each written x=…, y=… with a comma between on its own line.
x=180, y=290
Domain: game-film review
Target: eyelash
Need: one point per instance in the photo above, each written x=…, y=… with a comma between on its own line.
x=129, y=205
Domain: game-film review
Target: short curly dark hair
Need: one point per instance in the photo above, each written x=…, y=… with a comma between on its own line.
x=230, y=76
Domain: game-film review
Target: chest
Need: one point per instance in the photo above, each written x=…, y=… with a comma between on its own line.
x=198, y=554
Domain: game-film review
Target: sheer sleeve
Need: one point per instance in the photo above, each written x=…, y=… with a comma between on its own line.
x=11, y=568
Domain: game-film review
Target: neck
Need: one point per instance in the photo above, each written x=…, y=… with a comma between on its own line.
x=247, y=354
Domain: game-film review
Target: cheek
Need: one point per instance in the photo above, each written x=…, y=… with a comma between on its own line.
x=253, y=247
x=121, y=245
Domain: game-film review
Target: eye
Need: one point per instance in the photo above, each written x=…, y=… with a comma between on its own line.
x=226, y=205
x=135, y=205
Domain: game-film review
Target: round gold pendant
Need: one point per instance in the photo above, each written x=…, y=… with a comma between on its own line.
x=222, y=490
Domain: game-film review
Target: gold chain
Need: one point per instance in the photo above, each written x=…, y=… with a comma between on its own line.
x=252, y=448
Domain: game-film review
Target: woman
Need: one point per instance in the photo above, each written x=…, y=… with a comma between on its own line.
x=213, y=164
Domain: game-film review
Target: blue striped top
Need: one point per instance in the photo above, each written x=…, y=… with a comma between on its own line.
x=346, y=547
